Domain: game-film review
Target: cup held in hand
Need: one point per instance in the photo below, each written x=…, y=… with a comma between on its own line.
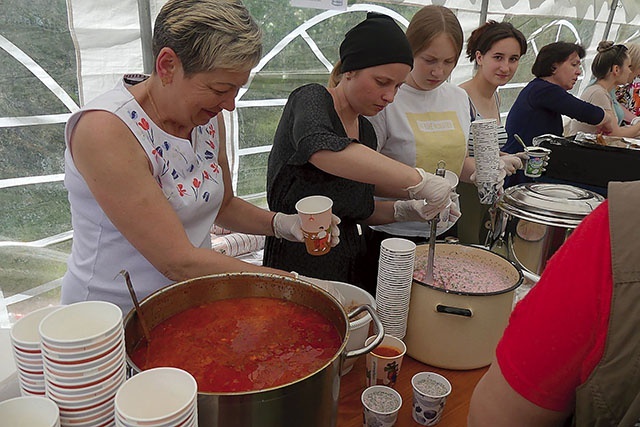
x=315, y=219
x=535, y=163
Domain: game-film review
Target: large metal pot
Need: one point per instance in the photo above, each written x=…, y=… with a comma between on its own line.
x=312, y=400
x=459, y=330
x=534, y=220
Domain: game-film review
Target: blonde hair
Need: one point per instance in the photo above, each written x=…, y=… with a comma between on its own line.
x=431, y=21
x=634, y=54
x=208, y=34
x=336, y=75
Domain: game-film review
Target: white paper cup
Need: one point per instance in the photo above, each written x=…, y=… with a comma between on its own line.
x=156, y=395
x=430, y=391
x=80, y=324
x=384, y=361
x=32, y=411
x=24, y=333
x=315, y=220
x=381, y=406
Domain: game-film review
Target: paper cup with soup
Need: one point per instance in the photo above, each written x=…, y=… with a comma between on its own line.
x=315, y=219
x=384, y=361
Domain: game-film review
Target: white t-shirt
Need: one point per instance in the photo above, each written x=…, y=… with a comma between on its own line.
x=191, y=179
x=420, y=128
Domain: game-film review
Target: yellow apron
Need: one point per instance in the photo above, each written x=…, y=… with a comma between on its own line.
x=438, y=136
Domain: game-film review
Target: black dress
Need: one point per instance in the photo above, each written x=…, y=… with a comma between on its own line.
x=309, y=123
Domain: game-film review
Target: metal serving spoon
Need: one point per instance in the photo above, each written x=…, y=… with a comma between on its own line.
x=517, y=137
x=132, y=292
x=440, y=171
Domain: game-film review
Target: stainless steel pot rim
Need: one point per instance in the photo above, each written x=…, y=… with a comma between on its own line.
x=340, y=353
x=552, y=204
x=480, y=294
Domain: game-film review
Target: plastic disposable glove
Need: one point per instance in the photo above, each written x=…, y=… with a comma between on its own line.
x=452, y=215
x=513, y=162
x=327, y=286
x=289, y=227
x=415, y=210
x=433, y=188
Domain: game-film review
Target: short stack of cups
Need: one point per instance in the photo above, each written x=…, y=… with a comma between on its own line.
x=31, y=411
x=381, y=406
x=25, y=344
x=158, y=397
x=393, y=291
x=487, y=158
x=83, y=355
x=430, y=391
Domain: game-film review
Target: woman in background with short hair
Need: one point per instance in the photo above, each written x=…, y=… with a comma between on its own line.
x=539, y=108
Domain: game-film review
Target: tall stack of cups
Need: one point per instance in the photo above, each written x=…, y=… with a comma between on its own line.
x=395, y=275
x=487, y=157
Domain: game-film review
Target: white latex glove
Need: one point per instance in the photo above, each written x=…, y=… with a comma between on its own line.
x=289, y=227
x=513, y=162
x=452, y=214
x=433, y=188
x=327, y=286
x=415, y=210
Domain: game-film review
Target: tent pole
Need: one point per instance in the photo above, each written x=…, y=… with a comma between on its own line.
x=612, y=12
x=144, y=15
x=483, y=12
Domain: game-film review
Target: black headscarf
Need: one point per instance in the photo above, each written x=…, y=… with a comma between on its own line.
x=375, y=41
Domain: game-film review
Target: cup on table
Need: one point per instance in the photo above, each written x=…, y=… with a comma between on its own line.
x=315, y=219
x=381, y=406
x=384, y=361
x=430, y=391
x=535, y=163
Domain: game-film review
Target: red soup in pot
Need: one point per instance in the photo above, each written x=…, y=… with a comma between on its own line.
x=242, y=344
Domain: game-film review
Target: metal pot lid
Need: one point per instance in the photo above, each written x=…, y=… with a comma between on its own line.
x=551, y=204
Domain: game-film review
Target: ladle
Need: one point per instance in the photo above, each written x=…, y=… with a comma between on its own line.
x=132, y=292
x=440, y=171
x=517, y=137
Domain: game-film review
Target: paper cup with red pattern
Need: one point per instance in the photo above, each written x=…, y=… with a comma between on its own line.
x=315, y=219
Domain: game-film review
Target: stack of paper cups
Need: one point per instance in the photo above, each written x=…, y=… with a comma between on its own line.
x=487, y=156
x=158, y=397
x=395, y=275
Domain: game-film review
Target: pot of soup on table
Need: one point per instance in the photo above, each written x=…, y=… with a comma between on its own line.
x=265, y=350
x=456, y=321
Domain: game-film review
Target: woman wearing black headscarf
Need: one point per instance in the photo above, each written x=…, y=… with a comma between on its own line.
x=324, y=145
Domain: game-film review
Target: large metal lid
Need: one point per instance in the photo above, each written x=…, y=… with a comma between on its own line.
x=558, y=205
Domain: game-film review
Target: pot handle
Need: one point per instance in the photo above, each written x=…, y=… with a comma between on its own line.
x=466, y=312
x=377, y=326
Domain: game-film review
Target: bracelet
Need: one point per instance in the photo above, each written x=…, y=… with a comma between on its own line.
x=273, y=224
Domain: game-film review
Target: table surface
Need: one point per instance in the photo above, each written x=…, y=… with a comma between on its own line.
x=455, y=411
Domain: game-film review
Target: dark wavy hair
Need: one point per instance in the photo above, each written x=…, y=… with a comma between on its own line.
x=553, y=54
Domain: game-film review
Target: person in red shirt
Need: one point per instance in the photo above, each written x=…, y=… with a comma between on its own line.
x=555, y=337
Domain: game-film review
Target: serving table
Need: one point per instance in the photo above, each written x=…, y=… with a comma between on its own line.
x=455, y=411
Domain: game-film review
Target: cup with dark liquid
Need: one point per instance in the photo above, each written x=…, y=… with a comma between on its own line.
x=384, y=361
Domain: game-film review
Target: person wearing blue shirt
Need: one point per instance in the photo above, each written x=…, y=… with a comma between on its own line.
x=539, y=108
